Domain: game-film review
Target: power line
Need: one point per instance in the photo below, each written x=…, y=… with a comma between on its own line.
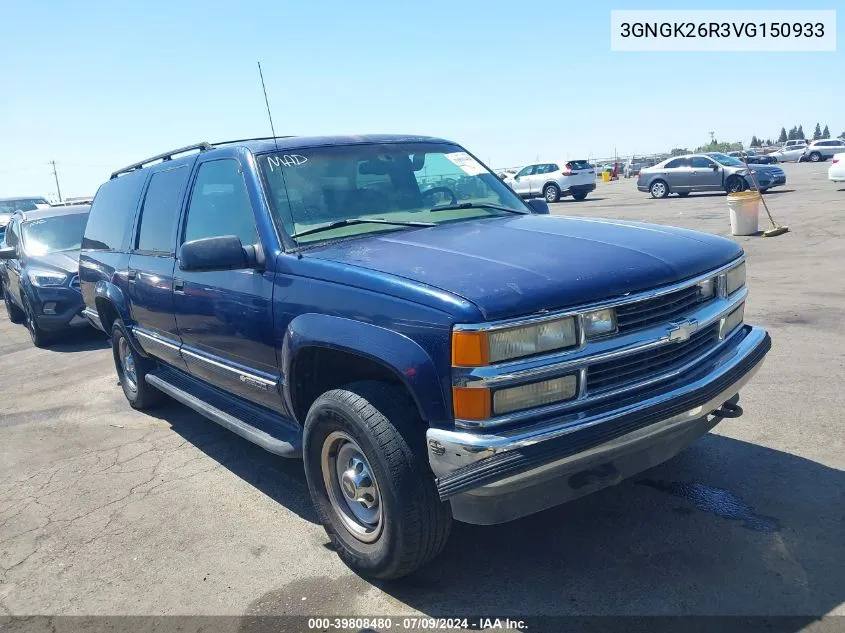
x=56, y=176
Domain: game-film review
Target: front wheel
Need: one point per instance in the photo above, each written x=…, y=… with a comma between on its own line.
x=815, y=157
x=40, y=338
x=551, y=193
x=368, y=474
x=15, y=314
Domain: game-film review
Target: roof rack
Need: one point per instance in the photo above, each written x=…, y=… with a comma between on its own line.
x=203, y=147
x=257, y=138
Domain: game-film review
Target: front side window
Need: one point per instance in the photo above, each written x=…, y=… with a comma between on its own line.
x=51, y=235
x=727, y=161
x=220, y=204
x=399, y=183
x=11, y=237
x=700, y=162
x=160, y=211
x=526, y=171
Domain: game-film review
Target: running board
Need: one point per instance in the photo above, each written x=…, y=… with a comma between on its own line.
x=268, y=430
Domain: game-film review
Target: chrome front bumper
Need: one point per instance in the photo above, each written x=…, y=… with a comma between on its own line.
x=499, y=476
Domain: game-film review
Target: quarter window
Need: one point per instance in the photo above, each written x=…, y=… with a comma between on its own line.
x=160, y=212
x=220, y=204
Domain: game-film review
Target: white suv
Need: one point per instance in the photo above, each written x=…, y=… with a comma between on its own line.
x=554, y=179
x=823, y=149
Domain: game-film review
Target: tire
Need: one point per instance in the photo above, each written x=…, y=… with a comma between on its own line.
x=580, y=195
x=40, y=337
x=15, y=314
x=764, y=190
x=374, y=429
x=132, y=369
x=815, y=157
x=735, y=184
x=683, y=194
x=551, y=193
x=658, y=189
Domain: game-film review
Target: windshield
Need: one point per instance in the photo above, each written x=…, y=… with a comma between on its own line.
x=399, y=182
x=22, y=204
x=726, y=160
x=59, y=233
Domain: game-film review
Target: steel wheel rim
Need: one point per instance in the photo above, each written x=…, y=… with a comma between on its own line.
x=352, y=486
x=127, y=364
x=550, y=194
x=658, y=189
x=814, y=158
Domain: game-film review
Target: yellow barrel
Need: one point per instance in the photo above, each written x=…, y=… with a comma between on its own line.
x=605, y=176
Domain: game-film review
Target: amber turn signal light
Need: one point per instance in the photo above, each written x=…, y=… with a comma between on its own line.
x=470, y=403
x=470, y=349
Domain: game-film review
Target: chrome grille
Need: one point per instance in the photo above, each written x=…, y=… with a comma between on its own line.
x=74, y=282
x=640, y=314
x=617, y=373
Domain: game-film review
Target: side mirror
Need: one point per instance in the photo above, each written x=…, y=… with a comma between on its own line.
x=538, y=206
x=218, y=253
x=714, y=167
x=9, y=252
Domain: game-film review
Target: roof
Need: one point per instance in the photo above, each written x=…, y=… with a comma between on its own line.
x=22, y=198
x=40, y=214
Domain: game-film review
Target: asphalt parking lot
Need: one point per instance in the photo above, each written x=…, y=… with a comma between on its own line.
x=105, y=510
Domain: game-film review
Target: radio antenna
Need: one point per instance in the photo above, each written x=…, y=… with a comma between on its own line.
x=267, y=103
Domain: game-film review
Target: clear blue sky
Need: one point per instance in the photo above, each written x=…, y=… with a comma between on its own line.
x=97, y=85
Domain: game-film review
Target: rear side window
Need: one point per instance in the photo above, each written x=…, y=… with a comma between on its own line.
x=220, y=204
x=160, y=212
x=112, y=213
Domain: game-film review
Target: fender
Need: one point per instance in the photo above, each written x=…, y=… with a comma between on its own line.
x=114, y=295
x=405, y=358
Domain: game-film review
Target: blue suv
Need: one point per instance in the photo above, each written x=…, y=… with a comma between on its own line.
x=433, y=347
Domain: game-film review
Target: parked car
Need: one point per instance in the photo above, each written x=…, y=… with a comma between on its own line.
x=38, y=267
x=794, y=153
x=754, y=158
x=9, y=206
x=711, y=171
x=795, y=143
x=823, y=149
x=553, y=180
x=465, y=360
x=836, y=173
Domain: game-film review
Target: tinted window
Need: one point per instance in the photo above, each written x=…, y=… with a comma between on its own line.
x=160, y=211
x=220, y=204
x=678, y=162
x=579, y=164
x=50, y=235
x=112, y=212
x=526, y=171
x=11, y=237
x=700, y=161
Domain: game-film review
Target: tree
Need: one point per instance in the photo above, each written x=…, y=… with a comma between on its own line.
x=755, y=142
x=826, y=132
x=793, y=133
x=800, y=136
x=679, y=151
x=769, y=142
x=842, y=136
x=817, y=133
x=783, y=138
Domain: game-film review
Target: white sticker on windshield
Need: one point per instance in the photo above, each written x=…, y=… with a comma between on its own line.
x=467, y=163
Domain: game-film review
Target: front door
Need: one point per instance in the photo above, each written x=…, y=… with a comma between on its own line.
x=225, y=317
x=522, y=181
x=705, y=174
x=13, y=266
x=151, y=262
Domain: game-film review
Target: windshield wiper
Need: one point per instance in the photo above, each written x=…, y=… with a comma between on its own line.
x=353, y=221
x=478, y=205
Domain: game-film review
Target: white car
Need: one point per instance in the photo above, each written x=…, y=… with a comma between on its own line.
x=792, y=153
x=554, y=179
x=823, y=149
x=836, y=173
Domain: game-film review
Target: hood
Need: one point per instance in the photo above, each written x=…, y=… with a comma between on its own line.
x=520, y=265
x=64, y=261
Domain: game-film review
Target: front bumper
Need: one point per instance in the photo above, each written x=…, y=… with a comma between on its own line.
x=68, y=308
x=500, y=476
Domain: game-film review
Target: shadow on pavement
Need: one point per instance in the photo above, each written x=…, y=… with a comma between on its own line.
x=81, y=340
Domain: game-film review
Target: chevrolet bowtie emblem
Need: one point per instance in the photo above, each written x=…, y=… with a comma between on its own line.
x=680, y=331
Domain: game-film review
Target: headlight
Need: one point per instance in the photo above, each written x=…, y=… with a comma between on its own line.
x=535, y=394
x=600, y=322
x=732, y=321
x=475, y=349
x=735, y=279
x=46, y=278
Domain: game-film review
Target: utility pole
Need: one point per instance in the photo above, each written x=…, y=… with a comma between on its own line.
x=56, y=176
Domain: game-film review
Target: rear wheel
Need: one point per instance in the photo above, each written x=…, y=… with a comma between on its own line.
x=815, y=157
x=132, y=370
x=580, y=195
x=659, y=189
x=15, y=314
x=368, y=474
x=551, y=193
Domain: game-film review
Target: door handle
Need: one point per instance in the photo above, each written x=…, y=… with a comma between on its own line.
x=179, y=285
x=132, y=275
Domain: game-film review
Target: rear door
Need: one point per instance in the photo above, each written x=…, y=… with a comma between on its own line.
x=676, y=174
x=225, y=317
x=542, y=174
x=151, y=262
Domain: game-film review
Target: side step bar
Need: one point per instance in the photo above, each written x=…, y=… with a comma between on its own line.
x=269, y=431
